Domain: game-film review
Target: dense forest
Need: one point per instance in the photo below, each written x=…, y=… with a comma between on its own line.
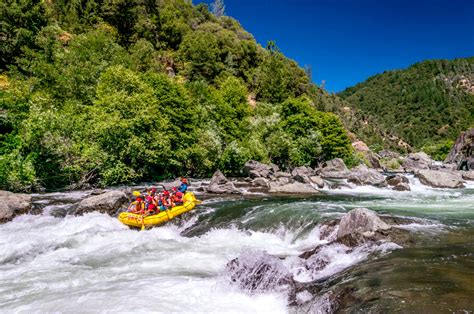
x=426, y=105
x=98, y=92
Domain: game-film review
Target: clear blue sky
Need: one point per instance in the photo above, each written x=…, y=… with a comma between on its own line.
x=346, y=41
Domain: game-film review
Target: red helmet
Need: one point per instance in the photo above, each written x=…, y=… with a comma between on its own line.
x=153, y=190
x=184, y=180
x=166, y=193
x=139, y=199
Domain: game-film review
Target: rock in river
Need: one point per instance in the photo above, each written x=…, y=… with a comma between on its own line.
x=12, y=204
x=108, y=202
x=441, y=179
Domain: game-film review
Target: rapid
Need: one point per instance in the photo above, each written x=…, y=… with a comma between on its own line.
x=54, y=262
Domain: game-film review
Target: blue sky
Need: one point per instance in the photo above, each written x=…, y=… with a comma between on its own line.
x=346, y=41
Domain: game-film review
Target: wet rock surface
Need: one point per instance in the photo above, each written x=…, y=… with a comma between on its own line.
x=108, y=202
x=13, y=204
x=293, y=188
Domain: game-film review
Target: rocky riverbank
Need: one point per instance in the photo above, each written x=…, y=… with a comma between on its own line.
x=257, y=178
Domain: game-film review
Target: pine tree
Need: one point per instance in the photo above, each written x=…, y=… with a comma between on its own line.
x=218, y=8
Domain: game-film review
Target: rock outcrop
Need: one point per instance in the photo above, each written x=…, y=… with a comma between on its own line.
x=221, y=185
x=459, y=149
x=108, y=202
x=417, y=161
x=334, y=169
x=388, y=154
x=362, y=175
x=12, y=204
x=441, y=179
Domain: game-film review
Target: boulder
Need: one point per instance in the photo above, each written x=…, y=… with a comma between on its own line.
x=221, y=185
x=334, y=169
x=441, y=179
x=108, y=202
x=317, y=180
x=389, y=154
x=254, y=174
x=360, y=220
x=417, y=161
x=393, y=180
x=12, y=204
x=293, y=188
x=302, y=174
x=402, y=186
x=261, y=182
x=258, y=169
x=458, y=151
x=361, y=175
x=468, y=175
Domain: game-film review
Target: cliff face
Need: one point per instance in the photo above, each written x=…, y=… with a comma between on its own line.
x=463, y=149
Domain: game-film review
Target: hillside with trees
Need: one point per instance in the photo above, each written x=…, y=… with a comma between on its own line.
x=96, y=93
x=426, y=105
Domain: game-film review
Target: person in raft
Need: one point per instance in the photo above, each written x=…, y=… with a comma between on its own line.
x=178, y=192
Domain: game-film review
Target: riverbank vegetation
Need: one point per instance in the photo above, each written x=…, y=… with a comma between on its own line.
x=103, y=93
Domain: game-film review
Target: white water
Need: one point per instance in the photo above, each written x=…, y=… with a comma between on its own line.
x=95, y=264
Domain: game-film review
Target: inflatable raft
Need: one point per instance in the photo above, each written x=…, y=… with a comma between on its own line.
x=142, y=222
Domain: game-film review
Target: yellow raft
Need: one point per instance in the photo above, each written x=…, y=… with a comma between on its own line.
x=140, y=221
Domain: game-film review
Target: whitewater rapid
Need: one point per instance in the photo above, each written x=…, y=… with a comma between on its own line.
x=93, y=263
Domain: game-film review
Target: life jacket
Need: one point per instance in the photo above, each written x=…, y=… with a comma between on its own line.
x=183, y=187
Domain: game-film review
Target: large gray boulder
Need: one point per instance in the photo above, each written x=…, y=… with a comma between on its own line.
x=293, y=188
x=221, y=185
x=334, y=169
x=108, y=202
x=440, y=179
x=417, y=161
x=360, y=220
x=12, y=204
x=361, y=175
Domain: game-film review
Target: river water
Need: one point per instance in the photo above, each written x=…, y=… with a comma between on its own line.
x=93, y=263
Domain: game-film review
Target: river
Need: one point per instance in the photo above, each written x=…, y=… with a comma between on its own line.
x=51, y=262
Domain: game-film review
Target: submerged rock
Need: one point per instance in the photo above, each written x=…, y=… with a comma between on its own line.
x=258, y=271
x=334, y=169
x=221, y=185
x=362, y=175
x=13, y=204
x=108, y=202
x=440, y=179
